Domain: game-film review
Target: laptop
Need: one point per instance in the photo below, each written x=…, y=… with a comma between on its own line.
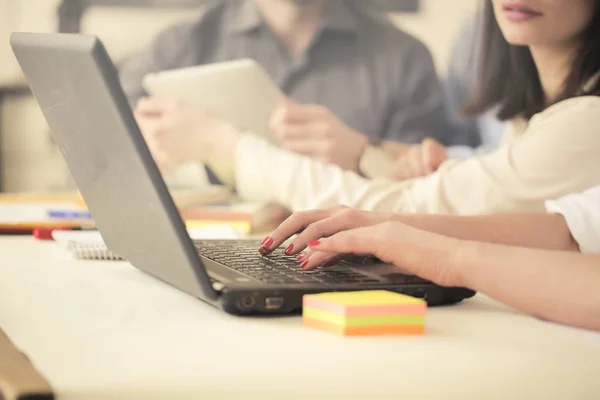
x=78, y=90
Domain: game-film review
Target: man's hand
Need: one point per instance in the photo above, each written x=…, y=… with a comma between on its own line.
x=420, y=160
x=314, y=131
x=178, y=132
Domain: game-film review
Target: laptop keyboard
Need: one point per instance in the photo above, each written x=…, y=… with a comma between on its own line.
x=278, y=268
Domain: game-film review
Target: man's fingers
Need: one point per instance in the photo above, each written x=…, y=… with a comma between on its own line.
x=149, y=128
x=300, y=113
x=291, y=132
x=305, y=147
x=276, y=118
x=150, y=106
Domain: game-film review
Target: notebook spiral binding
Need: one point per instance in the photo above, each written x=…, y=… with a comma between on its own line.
x=92, y=251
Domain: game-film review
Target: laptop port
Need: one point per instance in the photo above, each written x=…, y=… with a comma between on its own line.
x=273, y=303
x=247, y=302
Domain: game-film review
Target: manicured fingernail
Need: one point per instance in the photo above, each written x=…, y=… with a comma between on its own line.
x=314, y=243
x=304, y=264
x=267, y=243
x=289, y=250
x=263, y=250
x=265, y=240
x=300, y=257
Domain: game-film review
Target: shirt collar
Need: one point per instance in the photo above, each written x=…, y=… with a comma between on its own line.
x=339, y=16
x=244, y=17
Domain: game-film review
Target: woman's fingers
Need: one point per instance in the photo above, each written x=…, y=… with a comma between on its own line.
x=295, y=223
x=340, y=221
x=319, y=259
x=353, y=241
x=410, y=165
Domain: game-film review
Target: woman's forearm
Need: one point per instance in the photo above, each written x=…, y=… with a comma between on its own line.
x=543, y=231
x=268, y=173
x=553, y=285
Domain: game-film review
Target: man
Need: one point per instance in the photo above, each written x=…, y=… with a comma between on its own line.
x=357, y=83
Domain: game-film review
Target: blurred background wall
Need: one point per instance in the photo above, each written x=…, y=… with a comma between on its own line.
x=29, y=160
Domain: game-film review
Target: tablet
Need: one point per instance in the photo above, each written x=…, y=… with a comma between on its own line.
x=239, y=91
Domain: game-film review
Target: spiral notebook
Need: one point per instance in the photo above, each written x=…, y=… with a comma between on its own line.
x=91, y=251
x=89, y=245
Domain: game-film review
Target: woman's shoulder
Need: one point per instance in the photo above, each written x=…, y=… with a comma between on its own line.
x=575, y=120
x=581, y=106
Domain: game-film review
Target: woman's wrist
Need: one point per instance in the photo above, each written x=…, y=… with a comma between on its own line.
x=466, y=256
x=445, y=258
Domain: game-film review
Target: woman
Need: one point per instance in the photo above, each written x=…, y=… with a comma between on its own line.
x=543, y=75
x=528, y=261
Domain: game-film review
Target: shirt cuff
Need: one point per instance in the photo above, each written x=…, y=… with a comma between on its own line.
x=247, y=177
x=225, y=174
x=579, y=221
x=375, y=162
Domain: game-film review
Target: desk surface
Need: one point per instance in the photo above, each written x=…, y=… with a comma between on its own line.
x=106, y=330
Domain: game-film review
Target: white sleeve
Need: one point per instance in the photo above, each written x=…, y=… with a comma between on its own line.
x=582, y=213
x=266, y=172
x=540, y=163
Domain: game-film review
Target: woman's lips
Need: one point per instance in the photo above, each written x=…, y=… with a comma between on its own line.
x=516, y=12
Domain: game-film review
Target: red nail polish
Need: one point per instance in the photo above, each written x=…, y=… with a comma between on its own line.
x=304, y=264
x=289, y=250
x=268, y=243
x=300, y=257
x=314, y=243
x=264, y=240
x=263, y=250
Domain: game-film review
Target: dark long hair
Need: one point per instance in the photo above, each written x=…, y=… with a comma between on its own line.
x=508, y=77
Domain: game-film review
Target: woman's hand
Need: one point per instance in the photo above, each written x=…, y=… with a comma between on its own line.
x=316, y=224
x=339, y=231
x=428, y=255
x=420, y=160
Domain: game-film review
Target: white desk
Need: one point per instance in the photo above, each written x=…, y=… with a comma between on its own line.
x=106, y=330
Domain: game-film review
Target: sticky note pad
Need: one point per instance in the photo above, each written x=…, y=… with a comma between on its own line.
x=374, y=312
